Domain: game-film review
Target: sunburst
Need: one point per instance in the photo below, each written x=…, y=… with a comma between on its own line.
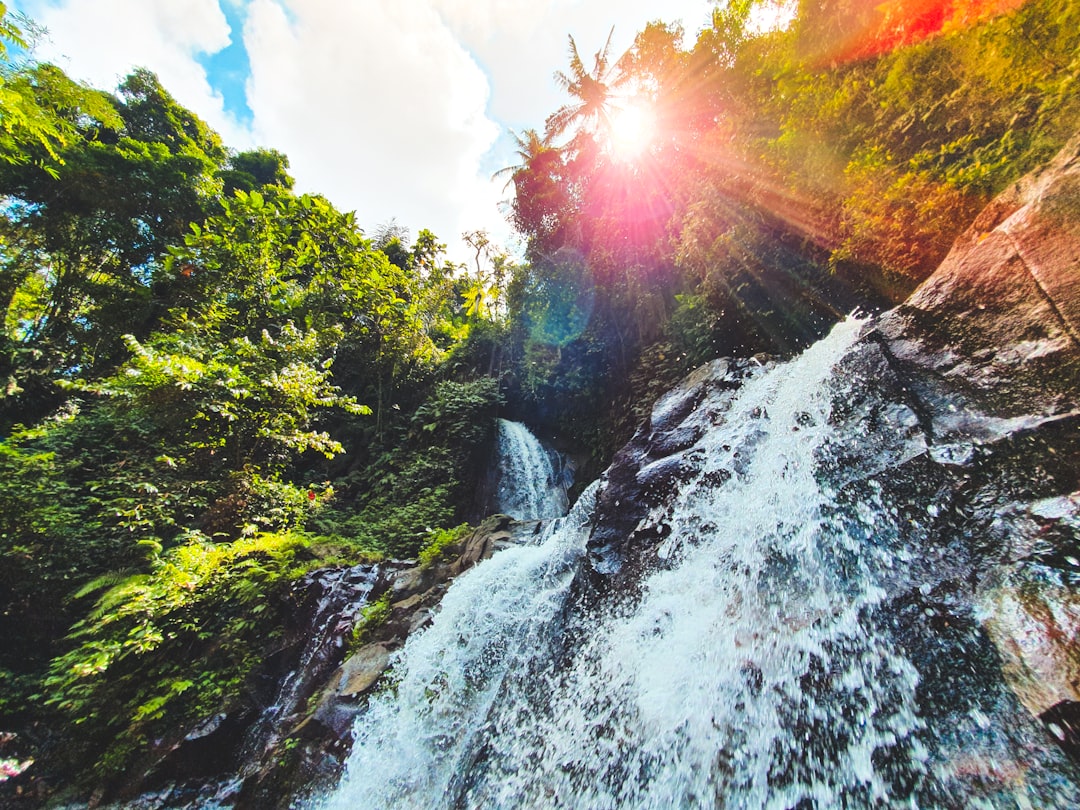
x=633, y=127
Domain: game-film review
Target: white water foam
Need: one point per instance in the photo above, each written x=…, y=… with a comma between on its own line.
x=495, y=620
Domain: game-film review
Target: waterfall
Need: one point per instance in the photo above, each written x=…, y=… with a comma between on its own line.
x=750, y=669
x=529, y=486
x=497, y=622
x=339, y=598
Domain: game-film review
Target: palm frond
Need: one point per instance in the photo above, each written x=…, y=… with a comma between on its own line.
x=559, y=121
x=602, y=57
x=577, y=67
x=109, y=580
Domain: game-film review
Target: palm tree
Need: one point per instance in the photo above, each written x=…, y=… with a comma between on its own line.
x=591, y=93
x=530, y=146
x=540, y=203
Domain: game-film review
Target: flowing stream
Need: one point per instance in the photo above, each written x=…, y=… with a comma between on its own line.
x=529, y=485
x=746, y=671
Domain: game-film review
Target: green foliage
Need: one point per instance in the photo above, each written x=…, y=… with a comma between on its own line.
x=923, y=135
x=372, y=616
x=233, y=404
x=130, y=679
x=82, y=246
x=559, y=298
x=47, y=540
x=436, y=545
x=255, y=169
x=424, y=482
x=152, y=115
x=39, y=106
x=456, y=412
x=904, y=223
x=692, y=327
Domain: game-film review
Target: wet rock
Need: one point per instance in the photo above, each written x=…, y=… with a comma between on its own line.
x=648, y=469
x=1032, y=606
x=1063, y=721
x=361, y=670
x=990, y=342
x=660, y=478
x=988, y=351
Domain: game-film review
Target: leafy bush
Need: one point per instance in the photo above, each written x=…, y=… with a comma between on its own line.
x=458, y=412
x=163, y=651
x=903, y=222
x=437, y=543
x=425, y=482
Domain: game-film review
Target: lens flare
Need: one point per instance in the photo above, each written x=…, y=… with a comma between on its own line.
x=632, y=129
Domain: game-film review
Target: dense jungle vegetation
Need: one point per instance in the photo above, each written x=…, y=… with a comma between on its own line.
x=211, y=385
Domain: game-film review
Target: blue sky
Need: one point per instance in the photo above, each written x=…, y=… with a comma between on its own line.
x=228, y=69
x=392, y=108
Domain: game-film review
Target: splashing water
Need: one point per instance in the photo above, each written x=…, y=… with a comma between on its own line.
x=494, y=623
x=745, y=672
x=743, y=677
x=529, y=487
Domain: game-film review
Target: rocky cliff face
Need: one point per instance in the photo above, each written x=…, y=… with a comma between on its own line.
x=957, y=417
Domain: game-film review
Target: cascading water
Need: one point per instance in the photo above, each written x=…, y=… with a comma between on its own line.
x=343, y=593
x=743, y=677
x=495, y=623
x=750, y=669
x=529, y=486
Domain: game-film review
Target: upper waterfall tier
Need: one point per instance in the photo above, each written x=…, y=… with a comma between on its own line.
x=529, y=487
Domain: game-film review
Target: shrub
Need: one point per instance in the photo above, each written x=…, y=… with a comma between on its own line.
x=162, y=651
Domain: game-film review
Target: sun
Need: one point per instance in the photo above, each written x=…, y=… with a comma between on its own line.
x=632, y=130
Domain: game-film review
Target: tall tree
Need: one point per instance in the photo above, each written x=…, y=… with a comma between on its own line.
x=39, y=109
x=256, y=169
x=590, y=91
x=83, y=254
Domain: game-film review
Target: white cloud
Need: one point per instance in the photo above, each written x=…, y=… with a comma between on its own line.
x=522, y=42
x=388, y=107
x=377, y=105
x=101, y=42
